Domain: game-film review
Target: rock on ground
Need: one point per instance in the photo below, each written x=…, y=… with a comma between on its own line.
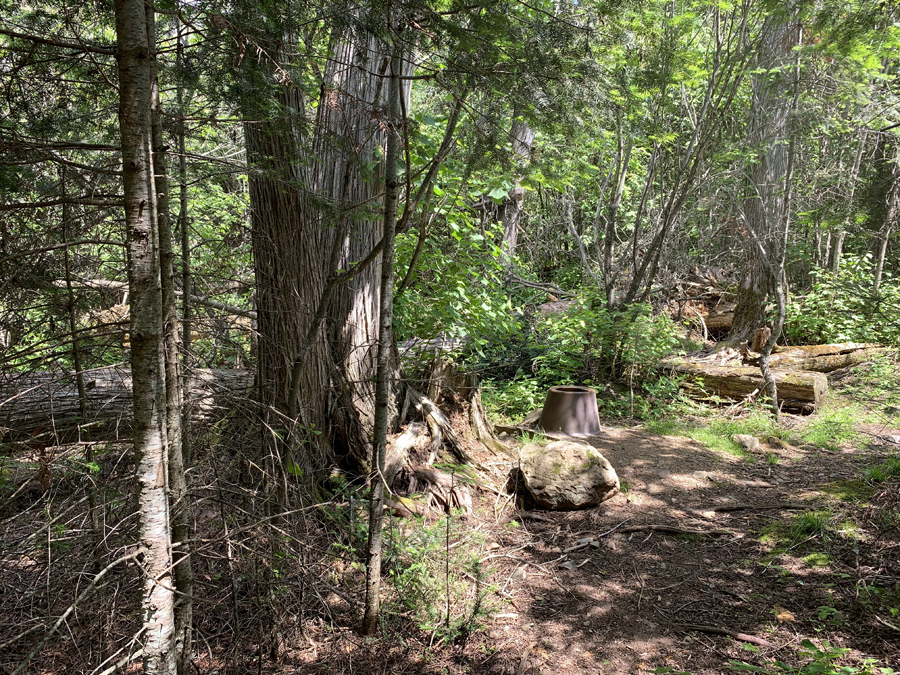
x=567, y=475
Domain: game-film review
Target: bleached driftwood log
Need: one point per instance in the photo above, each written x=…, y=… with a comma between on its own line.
x=44, y=406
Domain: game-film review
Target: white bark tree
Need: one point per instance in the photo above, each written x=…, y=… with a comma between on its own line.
x=135, y=51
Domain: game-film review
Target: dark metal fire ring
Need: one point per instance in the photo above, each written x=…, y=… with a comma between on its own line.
x=570, y=410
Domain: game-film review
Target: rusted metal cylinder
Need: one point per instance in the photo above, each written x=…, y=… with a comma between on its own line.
x=570, y=410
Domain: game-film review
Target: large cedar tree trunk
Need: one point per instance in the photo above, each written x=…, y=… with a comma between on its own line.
x=770, y=107
x=302, y=211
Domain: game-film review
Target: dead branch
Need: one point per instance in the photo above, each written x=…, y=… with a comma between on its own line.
x=743, y=637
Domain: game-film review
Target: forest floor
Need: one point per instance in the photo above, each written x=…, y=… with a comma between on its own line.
x=798, y=540
x=789, y=543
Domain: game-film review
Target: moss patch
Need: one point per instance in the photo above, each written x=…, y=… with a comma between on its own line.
x=851, y=491
x=817, y=559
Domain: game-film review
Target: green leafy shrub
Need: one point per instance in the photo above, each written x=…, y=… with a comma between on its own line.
x=842, y=308
x=592, y=343
x=820, y=660
x=458, y=290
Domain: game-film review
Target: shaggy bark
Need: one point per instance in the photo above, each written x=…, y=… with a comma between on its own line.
x=317, y=361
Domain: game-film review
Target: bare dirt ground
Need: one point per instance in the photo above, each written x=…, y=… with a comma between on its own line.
x=635, y=602
x=628, y=599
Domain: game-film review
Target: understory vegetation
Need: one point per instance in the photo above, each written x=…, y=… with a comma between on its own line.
x=284, y=286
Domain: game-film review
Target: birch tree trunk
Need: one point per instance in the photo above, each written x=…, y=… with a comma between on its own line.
x=134, y=19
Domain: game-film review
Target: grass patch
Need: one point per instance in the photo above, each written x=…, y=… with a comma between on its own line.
x=811, y=525
x=817, y=559
x=887, y=470
x=849, y=491
x=833, y=426
x=668, y=427
x=800, y=531
x=714, y=439
x=535, y=437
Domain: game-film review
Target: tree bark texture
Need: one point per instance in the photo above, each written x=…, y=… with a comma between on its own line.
x=134, y=21
x=331, y=200
x=770, y=107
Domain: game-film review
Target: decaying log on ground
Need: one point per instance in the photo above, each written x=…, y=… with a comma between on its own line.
x=437, y=419
x=44, y=406
x=482, y=429
x=796, y=389
x=822, y=358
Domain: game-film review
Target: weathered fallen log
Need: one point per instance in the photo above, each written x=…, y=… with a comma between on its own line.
x=796, y=389
x=822, y=358
x=44, y=406
x=439, y=424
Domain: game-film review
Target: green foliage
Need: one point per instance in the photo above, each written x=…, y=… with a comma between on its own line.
x=588, y=344
x=841, y=308
x=438, y=577
x=459, y=286
x=592, y=343
x=887, y=470
x=511, y=400
x=820, y=660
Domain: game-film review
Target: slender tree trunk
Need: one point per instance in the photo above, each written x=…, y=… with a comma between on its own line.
x=136, y=78
x=186, y=283
x=180, y=506
x=385, y=341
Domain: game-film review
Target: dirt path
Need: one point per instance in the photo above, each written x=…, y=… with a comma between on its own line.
x=630, y=598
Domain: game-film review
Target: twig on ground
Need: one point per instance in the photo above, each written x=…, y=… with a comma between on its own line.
x=743, y=637
x=674, y=530
x=757, y=507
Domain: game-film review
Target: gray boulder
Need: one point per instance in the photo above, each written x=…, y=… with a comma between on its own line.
x=566, y=475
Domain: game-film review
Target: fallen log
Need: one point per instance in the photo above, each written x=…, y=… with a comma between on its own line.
x=801, y=390
x=439, y=424
x=822, y=358
x=44, y=406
